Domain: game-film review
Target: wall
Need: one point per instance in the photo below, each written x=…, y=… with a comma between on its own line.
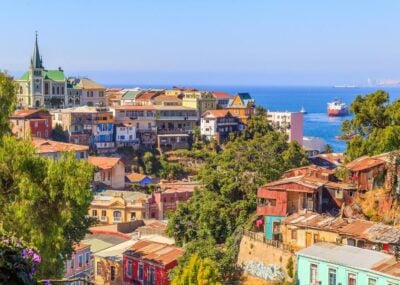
x=269, y=222
x=303, y=271
x=161, y=274
x=104, y=275
x=76, y=270
x=118, y=176
x=252, y=250
x=301, y=234
x=297, y=127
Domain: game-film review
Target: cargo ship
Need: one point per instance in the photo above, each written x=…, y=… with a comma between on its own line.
x=337, y=108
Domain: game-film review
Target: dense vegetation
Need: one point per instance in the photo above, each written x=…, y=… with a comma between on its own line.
x=375, y=127
x=42, y=201
x=207, y=224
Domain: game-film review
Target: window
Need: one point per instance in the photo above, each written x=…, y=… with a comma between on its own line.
x=140, y=271
x=371, y=281
x=80, y=260
x=351, y=242
x=87, y=257
x=351, y=279
x=112, y=269
x=313, y=273
x=94, y=213
x=46, y=133
x=103, y=213
x=99, y=269
x=152, y=277
x=73, y=262
x=129, y=268
x=294, y=234
x=332, y=276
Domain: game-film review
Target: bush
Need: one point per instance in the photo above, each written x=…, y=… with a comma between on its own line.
x=18, y=261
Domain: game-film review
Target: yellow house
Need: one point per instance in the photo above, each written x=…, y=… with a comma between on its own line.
x=108, y=268
x=302, y=230
x=200, y=100
x=113, y=206
x=241, y=106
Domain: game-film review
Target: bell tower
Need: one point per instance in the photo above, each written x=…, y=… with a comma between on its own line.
x=36, y=71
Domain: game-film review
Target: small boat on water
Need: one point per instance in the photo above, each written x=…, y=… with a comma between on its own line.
x=302, y=110
x=337, y=108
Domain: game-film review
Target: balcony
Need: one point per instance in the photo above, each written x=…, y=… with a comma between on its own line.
x=117, y=219
x=177, y=118
x=173, y=131
x=103, y=219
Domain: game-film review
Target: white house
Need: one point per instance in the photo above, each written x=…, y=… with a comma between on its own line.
x=125, y=134
x=290, y=123
x=218, y=124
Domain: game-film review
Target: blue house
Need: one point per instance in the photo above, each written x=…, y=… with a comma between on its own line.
x=332, y=264
x=138, y=179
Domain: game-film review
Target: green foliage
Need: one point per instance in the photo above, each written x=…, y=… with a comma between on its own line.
x=258, y=124
x=8, y=99
x=44, y=201
x=289, y=267
x=375, y=126
x=328, y=148
x=342, y=172
x=201, y=271
x=230, y=179
x=58, y=134
x=18, y=260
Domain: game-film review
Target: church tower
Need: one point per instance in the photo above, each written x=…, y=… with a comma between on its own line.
x=36, y=72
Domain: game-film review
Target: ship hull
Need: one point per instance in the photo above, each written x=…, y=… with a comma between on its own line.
x=338, y=113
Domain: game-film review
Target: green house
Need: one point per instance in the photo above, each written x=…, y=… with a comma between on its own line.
x=331, y=264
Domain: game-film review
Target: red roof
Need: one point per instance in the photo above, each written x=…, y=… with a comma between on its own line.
x=217, y=113
x=25, y=113
x=49, y=146
x=79, y=246
x=135, y=177
x=364, y=162
x=147, y=95
x=156, y=252
x=103, y=162
x=222, y=95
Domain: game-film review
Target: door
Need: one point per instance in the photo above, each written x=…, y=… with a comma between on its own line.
x=308, y=239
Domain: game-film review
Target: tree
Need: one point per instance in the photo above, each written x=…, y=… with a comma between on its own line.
x=257, y=124
x=375, y=127
x=44, y=201
x=8, y=99
x=328, y=148
x=198, y=271
x=58, y=134
x=148, y=160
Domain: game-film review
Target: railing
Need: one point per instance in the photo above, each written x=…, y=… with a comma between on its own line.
x=80, y=280
x=103, y=218
x=117, y=219
x=173, y=131
x=261, y=238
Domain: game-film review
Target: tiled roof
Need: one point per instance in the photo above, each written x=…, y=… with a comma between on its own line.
x=24, y=113
x=364, y=162
x=79, y=246
x=131, y=94
x=222, y=95
x=156, y=252
x=147, y=95
x=49, y=146
x=135, y=177
x=103, y=162
x=179, y=187
x=373, y=232
x=316, y=221
x=216, y=113
x=167, y=98
x=86, y=83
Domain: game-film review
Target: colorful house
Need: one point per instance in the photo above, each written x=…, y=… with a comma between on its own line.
x=218, y=124
x=199, y=100
x=55, y=149
x=222, y=99
x=137, y=179
x=308, y=188
x=290, y=123
x=112, y=207
x=242, y=106
x=90, y=92
x=80, y=263
x=148, y=262
x=110, y=171
x=31, y=122
x=331, y=264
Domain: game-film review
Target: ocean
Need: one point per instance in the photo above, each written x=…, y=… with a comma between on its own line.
x=313, y=99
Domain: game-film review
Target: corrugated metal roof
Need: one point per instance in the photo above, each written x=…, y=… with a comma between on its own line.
x=345, y=255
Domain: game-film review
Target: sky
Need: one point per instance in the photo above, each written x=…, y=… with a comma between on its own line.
x=211, y=42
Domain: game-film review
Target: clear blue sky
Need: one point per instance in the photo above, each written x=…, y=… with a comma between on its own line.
x=225, y=42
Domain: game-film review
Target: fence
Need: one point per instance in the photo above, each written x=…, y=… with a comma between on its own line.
x=261, y=238
x=81, y=281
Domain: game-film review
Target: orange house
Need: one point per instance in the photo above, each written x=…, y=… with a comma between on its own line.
x=242, y=106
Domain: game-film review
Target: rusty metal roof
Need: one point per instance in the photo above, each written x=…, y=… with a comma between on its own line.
x=363, y=163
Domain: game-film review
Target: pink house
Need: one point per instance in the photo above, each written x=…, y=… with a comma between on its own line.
x=167, y=198
x=79, y=264
x=290, y=123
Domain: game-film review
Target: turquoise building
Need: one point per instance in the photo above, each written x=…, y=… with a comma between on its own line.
x=331, y=264
x=272, y=224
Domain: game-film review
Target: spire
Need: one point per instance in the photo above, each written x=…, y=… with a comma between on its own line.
x=36, y=61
